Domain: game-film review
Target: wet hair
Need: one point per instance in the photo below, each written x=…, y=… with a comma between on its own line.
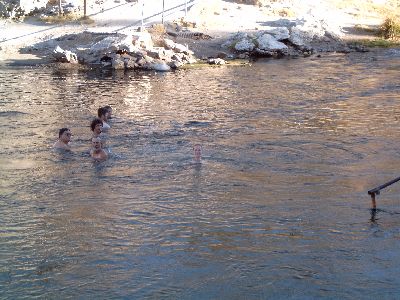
x=107, y=107
x=101, y=111
x=95, y=122
x=61, y=131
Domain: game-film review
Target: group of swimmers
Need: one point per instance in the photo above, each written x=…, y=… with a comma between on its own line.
x=98, y=126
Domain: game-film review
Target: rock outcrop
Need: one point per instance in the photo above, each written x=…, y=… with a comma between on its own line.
x=288, y=38
x=119, y=51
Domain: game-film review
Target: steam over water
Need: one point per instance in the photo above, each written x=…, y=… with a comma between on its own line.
x=278, y=208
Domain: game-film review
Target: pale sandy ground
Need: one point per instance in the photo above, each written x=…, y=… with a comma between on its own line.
x=217, y=18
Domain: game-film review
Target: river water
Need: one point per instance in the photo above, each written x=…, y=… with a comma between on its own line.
x=278, y=208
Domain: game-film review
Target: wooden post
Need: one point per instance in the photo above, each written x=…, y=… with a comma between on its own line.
x=59, y=8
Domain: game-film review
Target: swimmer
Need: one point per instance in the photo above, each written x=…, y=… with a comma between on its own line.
x=97, y=127
x=109, y=112
x=64, y=137
x=97, y=152
x=197, y=153
x=102, y=114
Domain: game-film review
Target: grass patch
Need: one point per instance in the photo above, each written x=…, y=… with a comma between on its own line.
x=377, y=43
x=86, y=20
x=59, y=19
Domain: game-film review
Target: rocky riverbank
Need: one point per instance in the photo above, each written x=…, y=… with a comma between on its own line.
x=215, y=33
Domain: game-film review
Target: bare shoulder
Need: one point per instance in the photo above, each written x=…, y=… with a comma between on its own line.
x=60, y=145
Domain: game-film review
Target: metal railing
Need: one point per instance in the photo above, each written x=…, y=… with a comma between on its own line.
x=377, y=191
x=164, y=11
x=144, y=20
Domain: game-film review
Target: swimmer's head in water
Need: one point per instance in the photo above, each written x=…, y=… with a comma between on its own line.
x=102, y=113
x=109, y=111
x=197, y=152
x=64, y=135
x=96, y=125
x=96, y=143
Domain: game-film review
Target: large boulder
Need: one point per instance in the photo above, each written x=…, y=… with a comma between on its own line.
x=244, y=45
x=268, y=42
x=114, y=43
x=308, y=29
x=279, y=33
x=142, y=39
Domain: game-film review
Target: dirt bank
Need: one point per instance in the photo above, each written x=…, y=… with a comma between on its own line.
x=216, y=18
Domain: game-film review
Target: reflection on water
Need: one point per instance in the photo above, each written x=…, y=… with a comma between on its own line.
x=277, y=208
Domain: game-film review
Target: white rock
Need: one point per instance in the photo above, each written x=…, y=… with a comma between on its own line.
x=169, y=44
x=160, y=66
x=180, y=48
x=244, y=45
x=114, y=43
x=142, y=40
x=65, y=55
x=216, y=61
x=308, y=28
x=279, y=33
x=268, y=42
x=118, y=62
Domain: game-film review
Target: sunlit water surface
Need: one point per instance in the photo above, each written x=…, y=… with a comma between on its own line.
x=278, y=208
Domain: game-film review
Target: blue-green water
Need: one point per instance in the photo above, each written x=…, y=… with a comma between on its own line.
x=277, y=209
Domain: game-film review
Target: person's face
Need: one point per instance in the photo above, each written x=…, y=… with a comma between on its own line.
x=96, y=144
x=98, y=128
x=197, y=152
x=66, y=136
x=109, y=113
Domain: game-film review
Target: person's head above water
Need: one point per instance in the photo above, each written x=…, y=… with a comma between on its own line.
x=96, y=126
x=197, y=152
x=109, y=111
x=102, y=113
x=64, y=137
x=96, y=143
x=97, y=152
